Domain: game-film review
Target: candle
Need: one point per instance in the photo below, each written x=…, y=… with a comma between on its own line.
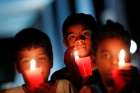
x=117, y=73
x=33, y=75
x=84, y=65
x=121, y=62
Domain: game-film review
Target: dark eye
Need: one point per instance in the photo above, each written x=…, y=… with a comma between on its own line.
x=24, y=60
x=105, y=55
x=24, y=63
x=86, y=34
x=71, y=37
x=43, y=59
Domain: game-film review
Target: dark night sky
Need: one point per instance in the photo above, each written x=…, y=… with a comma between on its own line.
x=132, y=16
x=132, y=8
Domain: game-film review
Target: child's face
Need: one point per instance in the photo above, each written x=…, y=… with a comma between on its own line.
x=38, y=54
x=79, y=38
x=107, y=56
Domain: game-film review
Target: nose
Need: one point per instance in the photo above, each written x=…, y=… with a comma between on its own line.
x=115, y=62
x=79, y=42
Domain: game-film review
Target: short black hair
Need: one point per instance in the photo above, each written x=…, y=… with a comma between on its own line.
x=110, y=30
x=32, y=38
x=86, y=20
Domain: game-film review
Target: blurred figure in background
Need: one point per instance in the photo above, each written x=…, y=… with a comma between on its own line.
x=6, y=61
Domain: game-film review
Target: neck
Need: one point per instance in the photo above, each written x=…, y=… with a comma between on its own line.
x=109, y=85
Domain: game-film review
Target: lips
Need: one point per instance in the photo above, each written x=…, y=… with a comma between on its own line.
x=81, y=47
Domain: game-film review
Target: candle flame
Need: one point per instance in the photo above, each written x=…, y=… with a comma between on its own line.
x=76, y=55
x=122, y=57
x=33, y=64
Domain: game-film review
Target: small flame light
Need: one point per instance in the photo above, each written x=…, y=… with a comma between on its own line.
x=121, y=58
x=32, y=64
x=76, y=55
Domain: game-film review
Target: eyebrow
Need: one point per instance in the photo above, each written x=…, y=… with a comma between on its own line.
x=103, y=50
x=69, y=33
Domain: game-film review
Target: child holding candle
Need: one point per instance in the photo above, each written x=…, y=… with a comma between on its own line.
x=34, y=59
x=112, y=58
x=77, y=29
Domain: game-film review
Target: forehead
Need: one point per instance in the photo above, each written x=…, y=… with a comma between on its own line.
x=32, y=52
x=112, y=44
x=77, y=28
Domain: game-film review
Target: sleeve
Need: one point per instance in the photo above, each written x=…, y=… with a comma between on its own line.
x=13, y=90
x=64, y=86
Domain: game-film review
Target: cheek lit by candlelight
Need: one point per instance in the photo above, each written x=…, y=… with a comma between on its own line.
x=121, y=58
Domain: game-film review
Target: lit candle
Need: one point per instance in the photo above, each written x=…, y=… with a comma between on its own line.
x=33, y=75
x=123, y=66
x=121, y=58
x=84, y=65
x=76, y=55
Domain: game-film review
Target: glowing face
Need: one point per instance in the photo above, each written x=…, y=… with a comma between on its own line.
x=79, y=38
x=28, y=56
x=107, y=56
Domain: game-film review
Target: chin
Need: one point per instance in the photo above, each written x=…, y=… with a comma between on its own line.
x=83, y=55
